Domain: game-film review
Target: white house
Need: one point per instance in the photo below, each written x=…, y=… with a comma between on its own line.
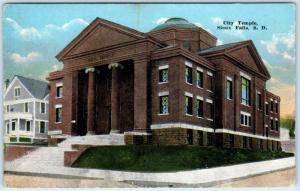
x=26, y=110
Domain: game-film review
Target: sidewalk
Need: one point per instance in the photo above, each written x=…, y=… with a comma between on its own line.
x=203, y=177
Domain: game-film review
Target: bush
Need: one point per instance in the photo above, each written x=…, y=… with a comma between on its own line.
x=288, y=123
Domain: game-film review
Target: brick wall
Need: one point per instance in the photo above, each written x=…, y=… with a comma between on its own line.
x=12, y=152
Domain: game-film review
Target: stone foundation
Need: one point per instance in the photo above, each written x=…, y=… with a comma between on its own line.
x=183, y=136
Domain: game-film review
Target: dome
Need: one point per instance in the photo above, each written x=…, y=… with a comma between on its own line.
x=178, y=22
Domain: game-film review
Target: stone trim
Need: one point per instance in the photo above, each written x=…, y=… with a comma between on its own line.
x=188, y=94
x=245, y=75
x=209, y=73
x=199, y=69
x=200, y=98
x=163, y=67
x=180, y=125
x=245, y=134
x=136, y=133
x=164, y=93
x=189, y=64
x=209, y=101
x=228, y=78
x=59, y=84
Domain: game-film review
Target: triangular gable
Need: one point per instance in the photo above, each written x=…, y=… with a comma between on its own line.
x=244, y=52
x=248, y=55
x=99, y=34
x=12, y=84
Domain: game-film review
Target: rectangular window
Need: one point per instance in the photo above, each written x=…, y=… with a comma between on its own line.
x=13, y=125
x=276, y=125
x=267, y=108
x=200, y=138
x=17, y=91
x=209, y=139
x=199, y=76
x=186, y=44
x=189, y=136
x=272, y=106
x=272, y=124
x=7, y=109
x=210, y=109
x=245, y=91
x=231, y=140
x=163, y=74
x=200, y=107
x=26, y=108
x=164, y=104
x=28, y=125
x=259, y=101
x=210, y=81
x=42, y=127
x=276, y=107
x=250, y=142
x=246, y=119
x=261, y=144
x=244, y=142
x=228, y=89
x=43, y=108
x=189, y=105
x=188, y=75
x=59, y=90
x=58, y=114
x=7, y=128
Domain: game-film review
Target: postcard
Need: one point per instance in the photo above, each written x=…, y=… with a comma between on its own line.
x=149, y=95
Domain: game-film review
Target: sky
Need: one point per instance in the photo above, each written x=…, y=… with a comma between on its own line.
x=33, y=34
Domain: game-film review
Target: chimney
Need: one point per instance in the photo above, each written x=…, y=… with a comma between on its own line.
x=6, y=83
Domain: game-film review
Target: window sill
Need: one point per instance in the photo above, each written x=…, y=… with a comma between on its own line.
x=245, y=105
x=210, y=91
x=162, y=83
x=58, y=97
x=188, y=83
x=163, y=114
x=189, y=115
x=58, y=122
x=209, y=119
x=200, y=87
x=200, y=117
x=245, y=125
x=229, y=99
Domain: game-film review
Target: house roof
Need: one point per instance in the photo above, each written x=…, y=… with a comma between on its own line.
x=38, y=88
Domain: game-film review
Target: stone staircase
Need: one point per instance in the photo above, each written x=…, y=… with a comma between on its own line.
x=47, y=157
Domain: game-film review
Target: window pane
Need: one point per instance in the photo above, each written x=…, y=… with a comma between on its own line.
x=200, y=108
x=163, y=75
x=245, y=91
x=188, y=105
x=188, y=75
x=200, y=79
x=164, y=104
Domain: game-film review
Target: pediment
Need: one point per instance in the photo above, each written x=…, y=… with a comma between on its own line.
x=99, y=34
x=244, y=55
x=249, y=56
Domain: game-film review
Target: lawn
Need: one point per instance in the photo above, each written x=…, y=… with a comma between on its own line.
x=153, y=158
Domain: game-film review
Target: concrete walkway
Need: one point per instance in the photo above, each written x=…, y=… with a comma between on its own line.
x=203, y=177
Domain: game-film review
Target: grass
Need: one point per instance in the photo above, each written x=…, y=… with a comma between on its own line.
x=153, y=158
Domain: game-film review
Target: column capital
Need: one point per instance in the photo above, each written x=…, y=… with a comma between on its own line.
x=89, y=69
x=115, y=65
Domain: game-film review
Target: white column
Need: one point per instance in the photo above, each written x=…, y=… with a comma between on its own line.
x=18, y=130
x=33, y=117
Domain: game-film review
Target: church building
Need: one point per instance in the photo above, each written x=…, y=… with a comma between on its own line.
x=171, y=85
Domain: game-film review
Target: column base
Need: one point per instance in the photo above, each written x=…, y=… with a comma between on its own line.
x=114, y=131
x=90, y=133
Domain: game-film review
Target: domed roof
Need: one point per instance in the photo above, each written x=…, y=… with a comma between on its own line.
x=178, y=22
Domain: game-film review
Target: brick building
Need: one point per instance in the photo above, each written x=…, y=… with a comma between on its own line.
x=172, y=85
